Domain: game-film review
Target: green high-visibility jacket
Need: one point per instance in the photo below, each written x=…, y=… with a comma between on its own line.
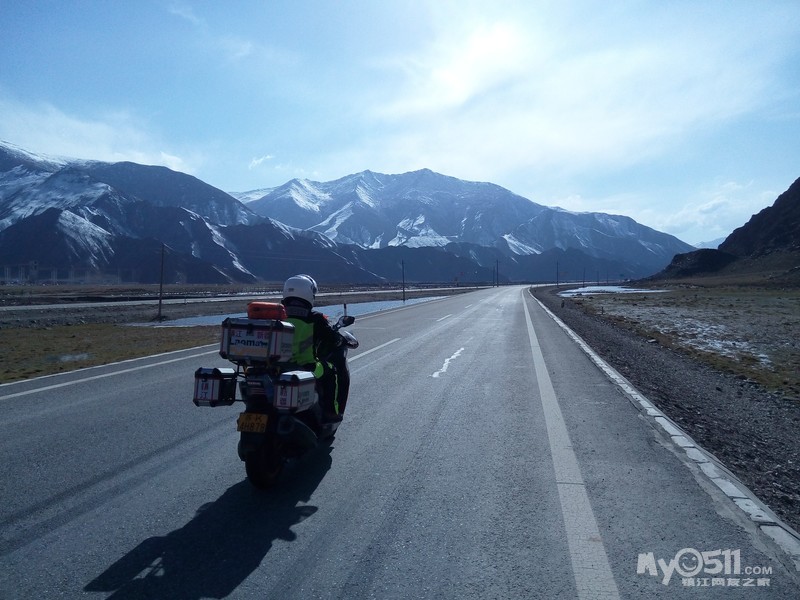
x=312, y=334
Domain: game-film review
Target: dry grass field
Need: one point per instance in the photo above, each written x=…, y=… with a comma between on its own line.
x=30, y=352
x=37, y=341
x=753, y=332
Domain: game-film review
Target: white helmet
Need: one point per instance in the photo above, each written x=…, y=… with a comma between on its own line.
x=300, y=286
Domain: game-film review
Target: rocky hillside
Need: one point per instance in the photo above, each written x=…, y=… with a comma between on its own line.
x=774, y=229
x=767, y=246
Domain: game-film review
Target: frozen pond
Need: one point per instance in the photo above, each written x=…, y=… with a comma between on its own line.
x=333, y=312
x=606, y=289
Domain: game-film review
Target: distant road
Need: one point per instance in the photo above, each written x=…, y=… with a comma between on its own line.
x=483, y=455
x=166, y=301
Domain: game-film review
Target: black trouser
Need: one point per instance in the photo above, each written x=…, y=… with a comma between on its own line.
x=342, y=379
x=326, y=388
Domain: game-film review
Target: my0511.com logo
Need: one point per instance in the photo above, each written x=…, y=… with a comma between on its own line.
x=713, y=568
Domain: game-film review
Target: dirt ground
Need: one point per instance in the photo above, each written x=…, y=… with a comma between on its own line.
x=720, y=361
x=751, y=332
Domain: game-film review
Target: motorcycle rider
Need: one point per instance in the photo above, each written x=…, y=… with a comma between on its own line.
x=313, y=338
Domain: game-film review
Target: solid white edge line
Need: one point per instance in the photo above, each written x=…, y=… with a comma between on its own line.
x=712, y=468
x=102, y=376
x=590, y=566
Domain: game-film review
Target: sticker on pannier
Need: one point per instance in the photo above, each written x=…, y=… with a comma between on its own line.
x=214, y=387
x=256, y=340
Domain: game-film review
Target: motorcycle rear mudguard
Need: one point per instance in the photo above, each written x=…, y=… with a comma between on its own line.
x=295, y=436
x=289, y=433
x=329, y=429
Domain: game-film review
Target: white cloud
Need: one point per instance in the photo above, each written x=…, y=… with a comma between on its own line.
x=710, y=211
x=452, y=72
x=232, y=47
x=706, y=213
x=257, y=162
x=186, y=12
x=176, y=163
x=110, y=137
x=541, y=92
x=717, y=210
x=236, y=48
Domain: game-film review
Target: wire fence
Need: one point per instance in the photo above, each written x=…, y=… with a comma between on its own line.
x=34, y=274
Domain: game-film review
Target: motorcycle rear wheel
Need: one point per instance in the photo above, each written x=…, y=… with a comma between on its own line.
x=264, y=466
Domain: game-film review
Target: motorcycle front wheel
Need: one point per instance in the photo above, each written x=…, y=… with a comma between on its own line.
x=264, y=465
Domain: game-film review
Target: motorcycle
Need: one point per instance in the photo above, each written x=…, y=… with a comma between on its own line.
x=283, y=417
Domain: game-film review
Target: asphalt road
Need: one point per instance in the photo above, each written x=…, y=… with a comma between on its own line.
x=482, y=456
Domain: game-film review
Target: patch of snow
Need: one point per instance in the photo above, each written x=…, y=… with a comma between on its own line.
x=719, y=339
x=415, y=232
x=307, y=196
x=219, y=240
x=426, y=241
x=250, y=196
x=290, y=232
x=46, y=161
x=330, y=226
x=518, y=247
x=365, y=197
x=605, y=289
x=80, y=233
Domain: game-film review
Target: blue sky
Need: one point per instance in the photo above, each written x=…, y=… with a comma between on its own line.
x=684, y=115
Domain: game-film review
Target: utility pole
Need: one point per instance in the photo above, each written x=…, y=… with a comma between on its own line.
x=403, y=268
x=556, y=273
x=161, y=284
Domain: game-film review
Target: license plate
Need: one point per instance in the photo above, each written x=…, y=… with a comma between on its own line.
x=251, y=423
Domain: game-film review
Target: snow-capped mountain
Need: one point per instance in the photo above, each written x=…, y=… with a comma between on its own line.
x=163, y=187
x=713, y=244
x=118, y=202
x=30, y=184
x=423, y=208
x=66, y=215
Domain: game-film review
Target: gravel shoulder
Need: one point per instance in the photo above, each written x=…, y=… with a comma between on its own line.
x=751, y=428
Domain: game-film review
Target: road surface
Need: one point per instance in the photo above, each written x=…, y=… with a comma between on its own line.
x=483, y=455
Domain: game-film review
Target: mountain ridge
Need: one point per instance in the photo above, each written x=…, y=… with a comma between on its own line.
x=470, y=226
x=375, y=210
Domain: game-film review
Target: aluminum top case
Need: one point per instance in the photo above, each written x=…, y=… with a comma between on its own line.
x=256, y=340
